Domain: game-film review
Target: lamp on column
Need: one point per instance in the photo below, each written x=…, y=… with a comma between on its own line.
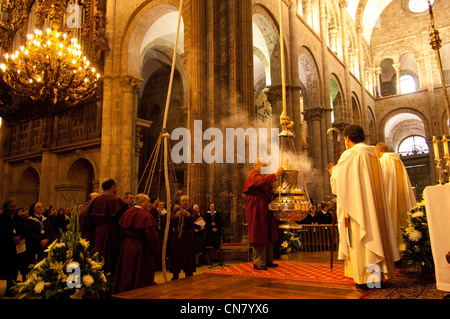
x=49, y=68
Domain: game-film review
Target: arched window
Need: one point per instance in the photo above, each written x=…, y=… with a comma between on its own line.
x=413, y=145
x=419, y=5
x=407, y=84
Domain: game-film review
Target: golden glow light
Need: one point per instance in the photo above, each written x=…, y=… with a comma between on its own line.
x=50, y=68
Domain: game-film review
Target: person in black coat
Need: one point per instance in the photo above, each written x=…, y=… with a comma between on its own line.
x=213, y=230
x=38, y=232
x=324, y=214
x=20, y=215
x=8, y=241
x=313, y=216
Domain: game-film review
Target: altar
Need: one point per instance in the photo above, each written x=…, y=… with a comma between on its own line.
x=437, y=204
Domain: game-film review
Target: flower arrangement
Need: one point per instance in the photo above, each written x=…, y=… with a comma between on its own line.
x=291, y=242
x=67, y=271
x=418, y=252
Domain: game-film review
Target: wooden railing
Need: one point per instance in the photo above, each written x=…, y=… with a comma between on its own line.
x=318, y=237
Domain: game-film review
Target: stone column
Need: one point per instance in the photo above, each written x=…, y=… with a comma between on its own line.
x=315, y=129
x=378, y=82
x=325, y=123
x=196, y=62
x=219, y=55
x=128, y=171
x=419, y=63
x=396, y=67
x=44, y=185
x=294, y=88
x=307, y=12
x=346, y=97
x=365, y=119
x=107, y=148
x=333, y=38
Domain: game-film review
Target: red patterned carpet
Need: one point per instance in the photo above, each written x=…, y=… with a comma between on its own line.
x=291, y=270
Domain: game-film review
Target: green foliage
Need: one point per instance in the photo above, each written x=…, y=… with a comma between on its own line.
x=291, y=242
x=69, y=269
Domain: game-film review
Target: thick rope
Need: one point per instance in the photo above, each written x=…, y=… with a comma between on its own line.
x=283, y=75
x=166, y=152
x=284, y=119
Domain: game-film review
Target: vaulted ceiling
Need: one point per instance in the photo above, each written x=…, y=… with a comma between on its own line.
x=366, y=13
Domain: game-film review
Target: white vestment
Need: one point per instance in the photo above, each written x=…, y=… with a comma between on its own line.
x=366, y=235
x=399, y=191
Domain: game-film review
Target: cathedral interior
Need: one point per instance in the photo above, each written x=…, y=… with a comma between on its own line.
x=368, y=62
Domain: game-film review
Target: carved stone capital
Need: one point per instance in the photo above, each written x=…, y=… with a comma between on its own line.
x=130, y=83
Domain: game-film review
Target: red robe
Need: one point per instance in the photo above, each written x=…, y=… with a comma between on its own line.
x=136, y=265
x=102, y=220
x=261, y=224
x=182, y=255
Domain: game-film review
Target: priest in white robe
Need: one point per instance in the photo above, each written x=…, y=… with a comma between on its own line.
x=367, y=241
x=399, y=191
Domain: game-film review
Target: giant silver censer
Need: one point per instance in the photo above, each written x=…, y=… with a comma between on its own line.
x=291, y=202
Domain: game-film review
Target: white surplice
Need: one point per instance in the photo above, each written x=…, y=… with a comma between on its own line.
x=366, y=234
x=399, y=191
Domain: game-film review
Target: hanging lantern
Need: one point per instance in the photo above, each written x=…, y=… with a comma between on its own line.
x=291, y=203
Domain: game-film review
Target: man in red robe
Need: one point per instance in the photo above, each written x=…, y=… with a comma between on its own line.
x=136, y=265
x=102, y=221
x=262, y=226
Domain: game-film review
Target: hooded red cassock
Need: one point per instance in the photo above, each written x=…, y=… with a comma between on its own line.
x=262, y=225
x=136, y=265
x=102, y=219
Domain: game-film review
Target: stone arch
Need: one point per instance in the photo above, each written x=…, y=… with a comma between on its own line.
x=80, y=154
x=309, y=78
x=161, y=52
x=387, y=117
x=27, y=189
x=135, y=31
x=356, y=110
x=337, y=99
x=135, y=53
x=265, y=42
x=79, y=178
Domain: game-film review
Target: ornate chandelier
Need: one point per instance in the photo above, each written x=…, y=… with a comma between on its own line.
x=49, y=68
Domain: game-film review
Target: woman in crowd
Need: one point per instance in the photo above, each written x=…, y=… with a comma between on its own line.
x=38, y=232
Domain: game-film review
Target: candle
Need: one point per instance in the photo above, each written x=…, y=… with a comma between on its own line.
x=445, y=143
x=436, y=149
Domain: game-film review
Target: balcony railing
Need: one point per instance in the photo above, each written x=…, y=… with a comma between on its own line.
x=318, y=237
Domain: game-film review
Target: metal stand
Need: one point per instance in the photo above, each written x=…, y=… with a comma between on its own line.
x=221, y=264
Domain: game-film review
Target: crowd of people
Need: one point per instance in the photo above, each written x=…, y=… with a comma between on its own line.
x=319, y=214
x=373, y=195
x=24, y=235
x=128, y=233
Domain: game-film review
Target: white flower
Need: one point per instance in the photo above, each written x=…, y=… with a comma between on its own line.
x=103, y=277
x=415, y=235
x=87, y=280
x=39, y=264
x=39, y=287
x=417, y=214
